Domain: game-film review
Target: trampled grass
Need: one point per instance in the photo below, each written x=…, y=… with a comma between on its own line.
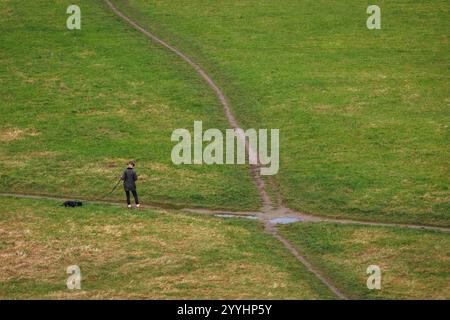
x=414, y=263
x=77, y=105
x=143, y=254
x=363, y=114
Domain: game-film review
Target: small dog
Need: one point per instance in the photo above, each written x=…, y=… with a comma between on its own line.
x=72, y=204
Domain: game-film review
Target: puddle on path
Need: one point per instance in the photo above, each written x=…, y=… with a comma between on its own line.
x=224, y=215
x=285, y=220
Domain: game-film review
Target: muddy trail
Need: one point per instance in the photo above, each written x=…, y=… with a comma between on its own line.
x=272, y=217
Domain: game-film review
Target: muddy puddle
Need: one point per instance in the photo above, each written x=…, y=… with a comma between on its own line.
x=225, y=215
x=285, y=220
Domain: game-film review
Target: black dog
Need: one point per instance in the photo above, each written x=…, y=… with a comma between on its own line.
x=72, y=204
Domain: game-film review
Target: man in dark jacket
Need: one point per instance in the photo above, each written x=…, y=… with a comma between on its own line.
x=129, y=178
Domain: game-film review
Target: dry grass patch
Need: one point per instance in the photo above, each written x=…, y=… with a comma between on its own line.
x=142, y=254
x=11, y=134
x=414, y=263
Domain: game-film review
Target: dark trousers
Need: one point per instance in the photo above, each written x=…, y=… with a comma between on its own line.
x=135, y=196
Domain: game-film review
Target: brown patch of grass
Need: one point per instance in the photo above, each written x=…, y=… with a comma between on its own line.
x=157, y=166
x=323, y=108
x=13, y=162
x=22, y=159
x=364, y=236
x=11, y=134
x=133, y=256
x=86, y=54
x=107, y=132
x=345, y=110
x=42, y=154
x=437, y=196
x=22, y=256
x=121, y=110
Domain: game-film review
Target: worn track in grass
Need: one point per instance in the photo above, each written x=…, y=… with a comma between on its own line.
x=263, y=216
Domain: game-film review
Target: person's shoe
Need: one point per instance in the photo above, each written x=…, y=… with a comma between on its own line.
x=138, y=205
x=129, y=206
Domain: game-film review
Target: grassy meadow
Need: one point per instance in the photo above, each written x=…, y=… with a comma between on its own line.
x=142, y=254
x=414, y=263
x=363, y=118
x=77, y=105
x=363, y=114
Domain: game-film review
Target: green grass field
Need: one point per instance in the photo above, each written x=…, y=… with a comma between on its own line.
x=77, y=105
x=363, y=118
x=363, y=114
x=414, y=263
x=142, y=254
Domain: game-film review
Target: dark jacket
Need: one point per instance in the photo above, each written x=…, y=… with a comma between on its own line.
x=129, y=178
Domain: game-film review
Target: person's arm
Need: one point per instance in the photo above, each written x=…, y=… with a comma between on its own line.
x=135, y=176
x=123, y=176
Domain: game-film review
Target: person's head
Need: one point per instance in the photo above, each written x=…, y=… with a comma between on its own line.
x=131, y=164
